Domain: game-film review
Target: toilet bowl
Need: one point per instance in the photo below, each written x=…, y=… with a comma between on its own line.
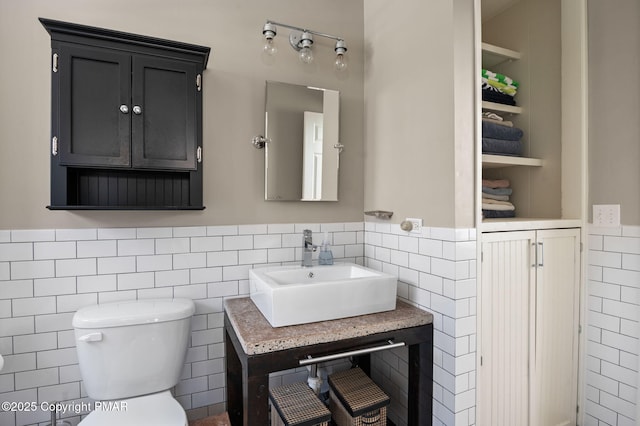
x=131, y=353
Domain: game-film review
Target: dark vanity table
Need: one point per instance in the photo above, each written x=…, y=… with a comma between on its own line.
x=253, y=349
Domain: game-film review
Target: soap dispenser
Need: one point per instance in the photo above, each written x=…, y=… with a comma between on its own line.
x=325, y=257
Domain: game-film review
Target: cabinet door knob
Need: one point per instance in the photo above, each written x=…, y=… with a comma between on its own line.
x=124, y=109
x=137, y=109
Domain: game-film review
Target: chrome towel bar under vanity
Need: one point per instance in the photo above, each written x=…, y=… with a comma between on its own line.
x=357, y=352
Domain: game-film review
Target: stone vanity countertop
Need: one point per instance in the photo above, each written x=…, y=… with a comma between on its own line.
x=257, y=336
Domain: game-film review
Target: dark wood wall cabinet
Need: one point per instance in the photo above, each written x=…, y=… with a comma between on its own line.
x=126, y=120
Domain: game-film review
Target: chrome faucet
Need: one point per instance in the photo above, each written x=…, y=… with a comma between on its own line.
x=307, y=247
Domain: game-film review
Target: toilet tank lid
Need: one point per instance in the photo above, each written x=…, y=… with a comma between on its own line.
x=132, y=312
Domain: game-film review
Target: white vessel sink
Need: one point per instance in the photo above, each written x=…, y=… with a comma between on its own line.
x=289, y=295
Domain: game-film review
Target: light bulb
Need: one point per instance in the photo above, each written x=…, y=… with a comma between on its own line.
x=270, y=48
x=341, y=63
x=304, y=47
x=306, y=55
x=269, y=31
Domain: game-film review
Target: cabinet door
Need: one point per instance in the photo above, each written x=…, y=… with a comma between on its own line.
x=555, y=369
x=164, y=128
x=506, y=337
x=528, y=325
x=94, y=83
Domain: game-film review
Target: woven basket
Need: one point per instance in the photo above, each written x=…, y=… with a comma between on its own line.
x=355, y=400
x=297, y=405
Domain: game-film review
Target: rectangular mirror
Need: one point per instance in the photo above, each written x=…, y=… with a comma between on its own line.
x=303, y=149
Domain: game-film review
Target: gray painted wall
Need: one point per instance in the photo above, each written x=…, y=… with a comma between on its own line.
x=614, y=106
x=401, y=162
x=419, y=149
x=234, y=88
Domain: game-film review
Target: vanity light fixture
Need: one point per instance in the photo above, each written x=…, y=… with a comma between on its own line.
x=301, y=40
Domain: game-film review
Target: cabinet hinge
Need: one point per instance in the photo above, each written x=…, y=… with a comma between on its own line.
x=581, y=247
x=480, y=361
x=199, y=154
x=199, y=82
x=579, y=329
x=54, y=63
x=54, y=146
x=481, y=260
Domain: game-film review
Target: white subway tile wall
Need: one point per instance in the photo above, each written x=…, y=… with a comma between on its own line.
x=613, y=291
x=46, y=275
x=437, y=272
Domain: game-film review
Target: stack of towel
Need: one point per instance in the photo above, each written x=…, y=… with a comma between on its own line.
x=498, y=88
x=499, y=136
x=495, y=199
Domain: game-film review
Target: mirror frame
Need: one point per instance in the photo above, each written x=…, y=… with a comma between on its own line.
x=291, y=164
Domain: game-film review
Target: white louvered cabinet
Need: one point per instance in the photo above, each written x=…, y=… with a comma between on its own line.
x=528, y=328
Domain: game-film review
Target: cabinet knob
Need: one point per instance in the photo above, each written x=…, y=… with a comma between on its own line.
x=124, y=109
x=137, y=109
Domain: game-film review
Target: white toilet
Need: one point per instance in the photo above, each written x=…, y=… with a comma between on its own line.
x=131, y=353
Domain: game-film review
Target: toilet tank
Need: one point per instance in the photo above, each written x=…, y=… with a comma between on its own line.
x=132, y=348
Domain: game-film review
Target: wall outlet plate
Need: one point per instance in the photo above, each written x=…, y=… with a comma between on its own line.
x=606, y=214
x=417, y=225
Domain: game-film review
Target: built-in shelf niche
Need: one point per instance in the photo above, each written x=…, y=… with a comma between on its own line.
x=541, y=45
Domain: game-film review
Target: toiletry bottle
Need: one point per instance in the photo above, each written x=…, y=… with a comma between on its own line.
x=325, y=257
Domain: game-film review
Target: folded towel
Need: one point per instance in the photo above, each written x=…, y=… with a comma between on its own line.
x=492, y=115
x=495, y=197
x=497, y=131
x=494, y=76
x=499, y=123
x=495, y=214
x=501, y=147
x=489, y=201
x=496, y=183
x=502, y=88
x=487, y=206
x=499, y=82
x=497, y=191
x=493, y=95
